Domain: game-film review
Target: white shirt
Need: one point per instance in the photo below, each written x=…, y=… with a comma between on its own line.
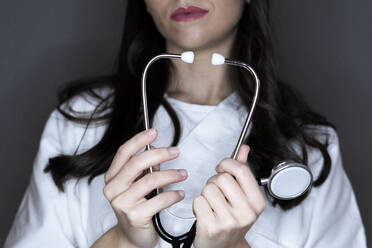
x=328, y=217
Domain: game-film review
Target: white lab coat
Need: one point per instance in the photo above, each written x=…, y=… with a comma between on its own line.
x=328, y=217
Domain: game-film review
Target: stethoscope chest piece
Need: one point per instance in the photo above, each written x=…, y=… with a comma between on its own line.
x=288, y=180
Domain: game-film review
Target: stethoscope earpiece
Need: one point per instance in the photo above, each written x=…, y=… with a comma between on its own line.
x=217, y=59
x=188, y=57
x=288, y=179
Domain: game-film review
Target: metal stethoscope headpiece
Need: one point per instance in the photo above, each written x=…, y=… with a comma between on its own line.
x=288, y=179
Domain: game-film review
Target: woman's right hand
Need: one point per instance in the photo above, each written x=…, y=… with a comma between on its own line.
x=126, y=190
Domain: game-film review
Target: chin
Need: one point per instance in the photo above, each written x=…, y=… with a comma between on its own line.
x=192, y=45
x=193, y=41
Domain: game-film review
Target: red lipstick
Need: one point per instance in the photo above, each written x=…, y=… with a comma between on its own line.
x=188, y=14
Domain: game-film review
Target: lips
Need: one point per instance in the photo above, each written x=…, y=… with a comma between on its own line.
x=188, y=14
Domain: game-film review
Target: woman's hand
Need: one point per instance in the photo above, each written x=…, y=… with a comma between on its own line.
x=227, y=208
x=126, y=189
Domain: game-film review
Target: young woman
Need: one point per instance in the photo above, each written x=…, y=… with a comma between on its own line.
x=88, y=187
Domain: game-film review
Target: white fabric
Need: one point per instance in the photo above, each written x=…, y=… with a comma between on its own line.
x=328, y=217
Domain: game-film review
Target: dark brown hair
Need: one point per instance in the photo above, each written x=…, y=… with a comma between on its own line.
x=281, y=115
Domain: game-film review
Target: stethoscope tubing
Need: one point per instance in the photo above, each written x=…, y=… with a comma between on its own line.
x=188, y=237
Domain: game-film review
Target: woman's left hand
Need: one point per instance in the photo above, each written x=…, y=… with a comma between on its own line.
x=227, y=208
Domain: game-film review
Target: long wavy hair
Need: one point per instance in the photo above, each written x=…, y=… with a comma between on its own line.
x=281, y=113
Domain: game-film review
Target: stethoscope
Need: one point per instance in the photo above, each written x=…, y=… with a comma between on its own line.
x=288, y=179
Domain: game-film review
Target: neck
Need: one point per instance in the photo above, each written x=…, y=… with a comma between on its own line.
x=201, y=82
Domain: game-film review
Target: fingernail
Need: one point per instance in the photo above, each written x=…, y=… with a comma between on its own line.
x=182, y=172
x=181, y=193
x=151, y=132
x=173, y=150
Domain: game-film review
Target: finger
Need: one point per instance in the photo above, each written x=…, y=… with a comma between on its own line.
x=160, y=202
x=247, y=182
x=216, y=200
x=152, y=181
x=144, y=172
x=157, y=168
x=126, y=176
x=231, y=190
x=242, y=155
x=202, y=211
x=128, y=149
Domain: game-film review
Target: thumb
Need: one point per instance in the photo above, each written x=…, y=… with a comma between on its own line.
x=242, y=155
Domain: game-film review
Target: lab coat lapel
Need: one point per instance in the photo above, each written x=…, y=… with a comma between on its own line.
x=219, y=131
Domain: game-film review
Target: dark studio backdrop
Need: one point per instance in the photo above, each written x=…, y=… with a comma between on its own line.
x=324, y=49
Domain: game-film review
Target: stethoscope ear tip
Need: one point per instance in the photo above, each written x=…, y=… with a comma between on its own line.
x=217, y=59
x=188, y=57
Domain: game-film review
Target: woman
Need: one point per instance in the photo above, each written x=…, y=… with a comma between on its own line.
x=92, y=193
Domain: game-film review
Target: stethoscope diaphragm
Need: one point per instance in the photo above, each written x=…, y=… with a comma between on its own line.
x=288, y=180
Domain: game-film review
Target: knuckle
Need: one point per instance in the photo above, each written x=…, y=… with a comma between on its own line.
x=133, y=215
x=164, y=152
x=137, y=162
x=135, y=159
x=163, y=199
x=208, y=188
x=139, y=137
x=168, y=198
x=212, y=179
x=224, y=177
x=107, y=191
x=122, y=151
x=117, y=206
x=158, y=154
x=135, y=218
x=224, y=161
x=148, y=180
x=249, y=218
x=243, y=170
x=121, y=205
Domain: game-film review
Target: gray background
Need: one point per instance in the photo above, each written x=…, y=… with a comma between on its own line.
x=324, y=49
